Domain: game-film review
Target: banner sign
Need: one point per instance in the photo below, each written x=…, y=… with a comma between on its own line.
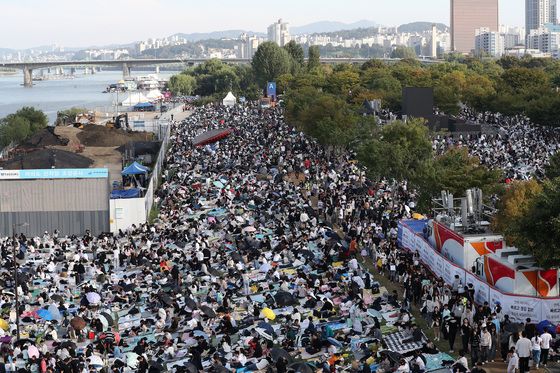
x=518, y=307
x=271, y=89
x=550, y=310
x=55, y=173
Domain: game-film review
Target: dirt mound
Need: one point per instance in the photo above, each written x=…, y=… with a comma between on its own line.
x=140, y=147
x=43, y=138
x=46, y=158
x=93, y=135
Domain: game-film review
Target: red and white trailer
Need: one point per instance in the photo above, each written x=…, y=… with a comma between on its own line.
x=462, y=249
x=512, y=272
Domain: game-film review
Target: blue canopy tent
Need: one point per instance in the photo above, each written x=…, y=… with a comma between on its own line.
x=144, y=106
x=135, y=169
x=126, y=193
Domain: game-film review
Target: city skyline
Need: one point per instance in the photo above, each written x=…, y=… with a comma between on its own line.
x=124, y=21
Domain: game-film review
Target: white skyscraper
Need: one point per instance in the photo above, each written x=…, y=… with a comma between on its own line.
x=279, y=33
x=433, y=43
x=488, y=43
x=538, y=13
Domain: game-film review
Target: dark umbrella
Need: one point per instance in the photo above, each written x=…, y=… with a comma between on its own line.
x=68, y=345
x=189, y=302
x=78, y=323
x=190, y=367
x=156, y=366
x=57, y=298
x=23, y=341
x=236, y=256
x=276, y=353
x=208, y=311
x=266, y=326
x=129, y=287
x=513, y=328
x=307, y=254
x=165, y=298
x=301, y=368
x=108, y=317
x=284, y=299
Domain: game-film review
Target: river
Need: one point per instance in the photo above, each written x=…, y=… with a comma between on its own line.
x=51, y=96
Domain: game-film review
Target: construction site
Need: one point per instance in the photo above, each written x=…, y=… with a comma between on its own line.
x=84, y=146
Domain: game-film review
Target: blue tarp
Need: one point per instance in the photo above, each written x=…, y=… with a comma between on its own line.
x=123, y=194
x=143, y=105
x=135, y=169
x=416, y=225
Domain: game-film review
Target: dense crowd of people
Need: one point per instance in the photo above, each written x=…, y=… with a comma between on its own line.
x=259, y=261
x=514, y=145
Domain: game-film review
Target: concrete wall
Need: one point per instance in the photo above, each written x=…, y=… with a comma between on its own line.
x=67, y=222
x=69, y=205
x=125, y=212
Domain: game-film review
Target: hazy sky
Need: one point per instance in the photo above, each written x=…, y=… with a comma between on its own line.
x=28, y=23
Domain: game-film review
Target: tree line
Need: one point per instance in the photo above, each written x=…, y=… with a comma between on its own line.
x=19, y=126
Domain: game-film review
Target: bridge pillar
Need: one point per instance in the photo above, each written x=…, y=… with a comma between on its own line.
x=126, y=70
x=157, y=69
x=27, y=77
x=72, y=70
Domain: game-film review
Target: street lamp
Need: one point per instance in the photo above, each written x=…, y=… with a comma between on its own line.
x=14, y=226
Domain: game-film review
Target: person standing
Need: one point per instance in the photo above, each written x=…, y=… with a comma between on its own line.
x=485, y=344
x=466, y=331
x=523, y=348
x=513, y=361
x=546, y=337
x=452, y=333
x=536, y=342
x=475, y=344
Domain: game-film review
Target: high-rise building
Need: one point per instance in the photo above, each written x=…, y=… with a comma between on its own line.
x=538, y=13
x=546, y=39
x=433, y=43
x=279, y=33
x=466, y=17
x=488, y=43
x=248, y=46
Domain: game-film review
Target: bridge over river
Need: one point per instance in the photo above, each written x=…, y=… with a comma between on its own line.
x=126, y=65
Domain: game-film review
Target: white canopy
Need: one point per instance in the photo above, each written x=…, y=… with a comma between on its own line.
x=154, y=94
x=229, y=100
x=134, y=98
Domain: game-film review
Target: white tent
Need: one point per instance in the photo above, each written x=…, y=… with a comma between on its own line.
x=229, y=100
x=134, y=98
x=154, y=94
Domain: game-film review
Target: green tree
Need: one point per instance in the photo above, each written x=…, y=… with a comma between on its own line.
x=456, y=172
x=14, y=128
x=403, y=52
x=552, y=169
x=397, y=151
x=36, y=118
x=314, y=60
x=539, y=227
x=343, y=82
x=523, y=79
x=297, y=55
x=513, y=206
x=182, y=84
x=269, y=62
